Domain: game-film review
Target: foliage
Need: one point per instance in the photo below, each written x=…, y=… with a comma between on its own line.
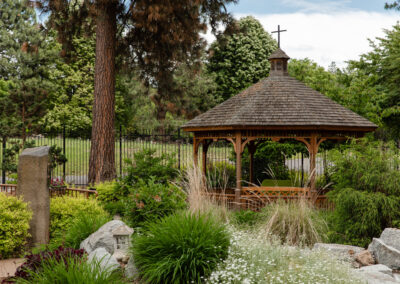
x=294, y=222
x=73, y=270
x=147, y=164
x=14, y=225
x=240, y=59
x=253, y=259
x=366, y=191
x=181, y=248
x=245, y=218
x=111, y=195
x=349, y=87
x=80, y=229
x=34, y=262
x=221, y=175
x=149, y=200
x=26, y=61
x=269, y=160
x=64, y=210
x=380, y=65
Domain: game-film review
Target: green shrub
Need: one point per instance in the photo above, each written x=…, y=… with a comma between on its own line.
x=366, y=191
x=221, y=175
x=111, y=195
x=294, y=222
x=149, y=200
x=14, y=225
x=181, y=248
x=80, y=229
x=269, y=160
x=146, y=165
x=245, y=217
x=65, y=210
x=73, y=271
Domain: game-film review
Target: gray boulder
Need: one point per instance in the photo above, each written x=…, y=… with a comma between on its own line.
x=377, y=268
x=344, y=252
x=385, y=254
x=131, y=271
x=105, y=260
x=391, y=237
x=377, y=274
x=102, y=238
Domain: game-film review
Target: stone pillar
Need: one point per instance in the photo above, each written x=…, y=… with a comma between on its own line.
x=33, y=186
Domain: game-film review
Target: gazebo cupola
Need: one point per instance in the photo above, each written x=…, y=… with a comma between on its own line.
x=278, y=61
x=277, y=107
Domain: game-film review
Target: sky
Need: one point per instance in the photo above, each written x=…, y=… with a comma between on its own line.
x=325, y=31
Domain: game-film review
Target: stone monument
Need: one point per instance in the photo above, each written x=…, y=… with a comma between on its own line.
x=33, y=186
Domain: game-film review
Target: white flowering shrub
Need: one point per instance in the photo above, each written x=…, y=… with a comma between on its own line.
x=252, y=259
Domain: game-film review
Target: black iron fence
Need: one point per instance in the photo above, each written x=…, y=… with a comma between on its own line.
x=179, y=144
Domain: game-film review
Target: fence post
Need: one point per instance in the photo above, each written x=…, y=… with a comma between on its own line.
x=120, y=150
x=302, y=169
x=179, y=149
x=3, y=172
x=64, y=151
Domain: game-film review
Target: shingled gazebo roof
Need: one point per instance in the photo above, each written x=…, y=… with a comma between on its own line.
x=280, y=101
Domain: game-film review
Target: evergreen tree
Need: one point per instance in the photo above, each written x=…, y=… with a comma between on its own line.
x=240, y=59
x=160, y=32
x=26, y=61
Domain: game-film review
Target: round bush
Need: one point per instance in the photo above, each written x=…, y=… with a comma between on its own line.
x=14, y=225
x=65, y=210
x=181, y=248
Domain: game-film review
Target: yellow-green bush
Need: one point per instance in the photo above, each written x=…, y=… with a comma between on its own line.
x=14, y=225
x=63, y=211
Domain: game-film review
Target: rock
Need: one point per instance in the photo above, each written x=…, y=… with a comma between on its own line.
x=377, y=268
x=103, y=237
x=131, y=271
x=365, y=258
x=377, y=274
x=106, y=260
x=344, y=252
x=385, y=254
x=121, y=256
x=391, y=237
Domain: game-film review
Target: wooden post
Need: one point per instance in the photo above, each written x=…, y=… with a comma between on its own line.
x=204, y=157
x=312, y=146
x=313, y=150
x=195, y=152
x=238, y=150
x=251, y=146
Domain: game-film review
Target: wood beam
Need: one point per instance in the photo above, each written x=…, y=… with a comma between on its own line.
x=206, y=144
x=196, y=143
x=238, y=150
x=251, y=146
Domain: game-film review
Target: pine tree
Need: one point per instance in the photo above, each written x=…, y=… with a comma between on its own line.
x=26, y=61
x=159, y=32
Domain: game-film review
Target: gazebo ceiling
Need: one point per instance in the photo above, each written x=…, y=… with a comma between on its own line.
x=279, y=102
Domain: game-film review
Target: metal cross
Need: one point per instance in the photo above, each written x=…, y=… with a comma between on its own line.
x=279, y=31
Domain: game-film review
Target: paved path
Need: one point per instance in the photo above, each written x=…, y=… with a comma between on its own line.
x=8, y=267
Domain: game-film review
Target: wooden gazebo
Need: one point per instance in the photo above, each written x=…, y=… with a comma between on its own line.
x=277, y=107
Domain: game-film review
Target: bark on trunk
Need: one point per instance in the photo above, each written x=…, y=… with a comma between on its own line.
x=102, y=157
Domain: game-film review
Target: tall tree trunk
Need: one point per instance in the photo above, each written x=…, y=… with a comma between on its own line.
x=102, y=157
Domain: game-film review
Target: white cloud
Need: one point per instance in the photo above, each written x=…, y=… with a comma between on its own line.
x=327, y=37
x=320, y=7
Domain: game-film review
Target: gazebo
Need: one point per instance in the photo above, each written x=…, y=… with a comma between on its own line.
x=277, y=107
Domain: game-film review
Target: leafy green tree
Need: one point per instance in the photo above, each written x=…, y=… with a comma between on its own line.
x=71, y=103
x=160, y=33
x=350, y=87
x=26, y=61
x=240, y=59
x=381, y=65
